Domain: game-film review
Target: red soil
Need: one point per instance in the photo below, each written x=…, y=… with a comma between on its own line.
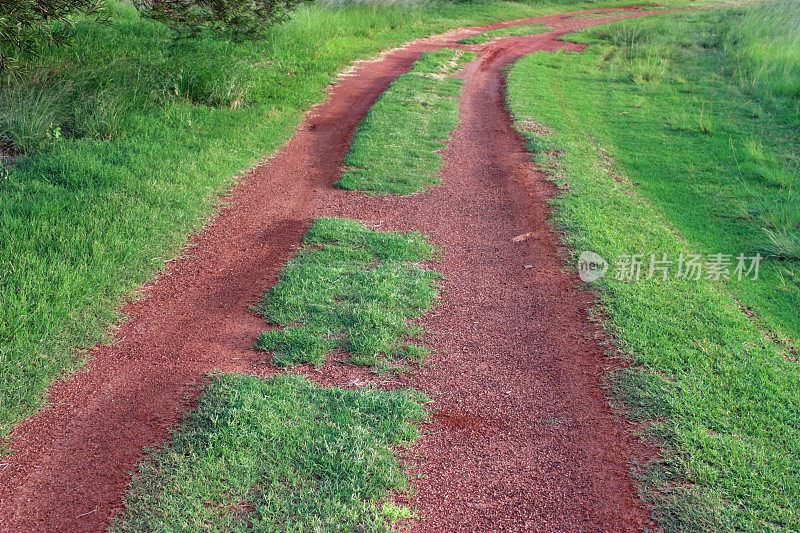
x=524, y=438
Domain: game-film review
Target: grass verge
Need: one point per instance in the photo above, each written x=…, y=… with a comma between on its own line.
x=395, y=148
x=658, y=148
x=277, y=455
x=352, y=289
x=512, y=31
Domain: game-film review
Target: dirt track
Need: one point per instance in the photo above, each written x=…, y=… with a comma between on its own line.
x=525, y=437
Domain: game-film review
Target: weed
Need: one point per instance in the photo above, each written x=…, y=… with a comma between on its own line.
x=783, y=244
x=706, y=120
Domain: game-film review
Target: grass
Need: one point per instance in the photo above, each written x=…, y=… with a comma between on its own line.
x=127, y=140
x=277, y=455
x=660, y=146
x=762, y=50
x=395, y=148
x=599, y=14
x=512, y=31
x=352, y=289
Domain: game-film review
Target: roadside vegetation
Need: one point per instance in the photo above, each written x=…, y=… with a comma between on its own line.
x=352, y=289
x=762, y=51
x=114, y=149
x=278, y=455
x=512, y=31
x=29, y=27
x=600, y=14
x=395, y=149
x=676, y=135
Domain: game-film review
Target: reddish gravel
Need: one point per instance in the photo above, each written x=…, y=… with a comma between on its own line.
x=523, y=438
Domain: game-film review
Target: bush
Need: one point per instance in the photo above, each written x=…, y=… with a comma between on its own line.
x=28, y=25
x=235, y=19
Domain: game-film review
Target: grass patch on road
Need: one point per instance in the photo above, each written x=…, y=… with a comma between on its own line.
x=512, y=31
x=599, y=15
x=277, y=455
x=660, y=146
x=353, y=289
x=396, y=147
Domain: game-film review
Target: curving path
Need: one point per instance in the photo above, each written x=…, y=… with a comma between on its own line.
x=524, y=438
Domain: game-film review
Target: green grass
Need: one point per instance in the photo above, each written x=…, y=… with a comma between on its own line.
x=659, y=146
x=129, y=139
x=396, y=147
x=352, y=289
x=511, y=31
x=762, y=50
x=600, y=14
x=277, y=455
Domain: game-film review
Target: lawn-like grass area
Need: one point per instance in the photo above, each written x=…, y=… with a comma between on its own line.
x=395, y=149
x=511, y=31
x=352, y=289
x=128, y=140
x=277, y=455
x=672, y=135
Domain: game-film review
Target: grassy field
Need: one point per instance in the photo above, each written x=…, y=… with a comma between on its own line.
x=395, y=149
x=125, y=142
x=511, y=31
x=277, y=455
x=350, y=289
x=678, y=135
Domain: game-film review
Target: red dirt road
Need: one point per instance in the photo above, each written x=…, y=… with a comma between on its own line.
x=525, y=438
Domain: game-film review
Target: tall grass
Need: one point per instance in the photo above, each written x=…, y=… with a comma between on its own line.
x=131, y=67
x=762, y=46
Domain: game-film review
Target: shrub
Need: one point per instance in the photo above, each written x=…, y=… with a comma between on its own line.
x=235, y=19
x=28, y=25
